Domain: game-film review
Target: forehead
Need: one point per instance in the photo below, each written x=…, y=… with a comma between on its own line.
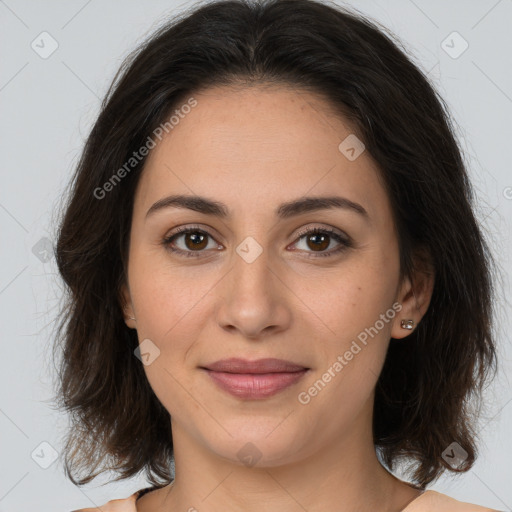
x=262, y=143
x=269, y=122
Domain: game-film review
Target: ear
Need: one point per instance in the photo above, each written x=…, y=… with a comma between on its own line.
x=127, y=306
x=414, y=295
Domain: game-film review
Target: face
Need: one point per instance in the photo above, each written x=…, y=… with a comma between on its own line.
x=254, y=284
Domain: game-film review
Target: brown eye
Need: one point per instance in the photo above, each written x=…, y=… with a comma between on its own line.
x=318, y=240
x=194, y=241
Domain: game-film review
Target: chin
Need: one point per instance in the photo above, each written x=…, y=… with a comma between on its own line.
x=258, y=446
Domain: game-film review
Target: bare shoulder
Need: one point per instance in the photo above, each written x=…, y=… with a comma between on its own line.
x=433, y=500
x=118, y=505
x=147, y=498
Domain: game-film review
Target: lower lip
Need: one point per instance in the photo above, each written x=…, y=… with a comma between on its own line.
x=255, y=385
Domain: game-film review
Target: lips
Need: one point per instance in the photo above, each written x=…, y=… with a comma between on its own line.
x=269, y=365
x=258, y=379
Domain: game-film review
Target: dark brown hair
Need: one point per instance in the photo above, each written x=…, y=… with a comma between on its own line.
x=422, y=401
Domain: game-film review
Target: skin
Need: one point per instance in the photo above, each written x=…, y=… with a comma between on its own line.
x=253, y=148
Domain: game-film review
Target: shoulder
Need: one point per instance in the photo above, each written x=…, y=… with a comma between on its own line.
x=128, y=504
x=428, y=501
x=433, y=500
x=119, y=505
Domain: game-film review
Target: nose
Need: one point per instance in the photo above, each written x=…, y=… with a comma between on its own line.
x=254, y=301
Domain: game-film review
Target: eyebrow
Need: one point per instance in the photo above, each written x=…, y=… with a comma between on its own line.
x=283, y=211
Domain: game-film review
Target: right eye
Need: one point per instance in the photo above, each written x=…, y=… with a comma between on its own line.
x=194, y=240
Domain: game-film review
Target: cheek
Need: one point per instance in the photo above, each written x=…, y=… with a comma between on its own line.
x=169, y=314
x=355, y=302
x=167, y=297
x=352, y=360
x=349, y=298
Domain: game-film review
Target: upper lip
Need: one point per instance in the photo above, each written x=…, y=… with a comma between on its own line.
x=268, y=365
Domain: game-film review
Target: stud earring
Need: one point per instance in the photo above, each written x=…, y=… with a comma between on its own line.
x=407, y=324
x=130, y=317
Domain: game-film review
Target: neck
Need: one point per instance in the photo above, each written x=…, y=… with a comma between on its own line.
x=343, y=475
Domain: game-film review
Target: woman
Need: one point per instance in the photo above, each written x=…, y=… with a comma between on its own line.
x=276, y=279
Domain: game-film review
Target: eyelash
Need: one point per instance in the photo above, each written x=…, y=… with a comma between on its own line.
x=345, y=243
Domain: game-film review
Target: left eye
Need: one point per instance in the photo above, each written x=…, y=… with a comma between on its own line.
x=320, y=239
x=196, y=240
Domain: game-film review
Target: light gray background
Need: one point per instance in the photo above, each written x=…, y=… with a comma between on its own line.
x=47, y=109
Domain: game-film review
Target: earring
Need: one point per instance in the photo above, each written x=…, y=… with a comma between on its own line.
x=407, y=324
x=130, y=317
